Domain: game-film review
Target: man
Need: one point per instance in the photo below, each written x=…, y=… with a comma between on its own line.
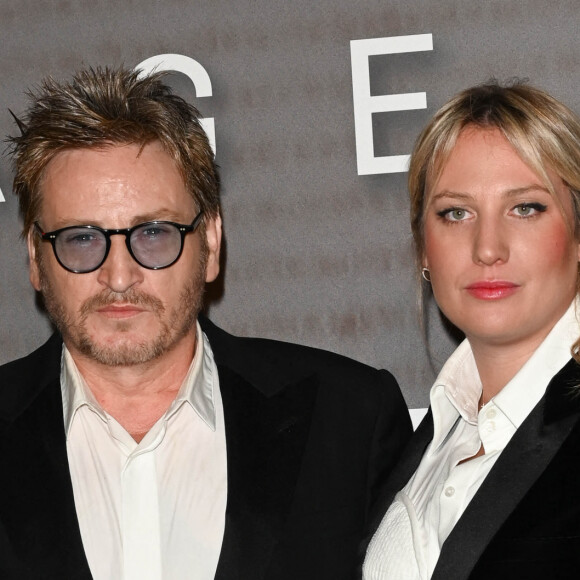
x=137, y=444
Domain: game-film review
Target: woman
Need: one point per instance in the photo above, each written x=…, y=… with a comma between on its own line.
x=490, y=485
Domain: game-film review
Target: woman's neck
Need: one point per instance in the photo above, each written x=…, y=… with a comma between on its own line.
x=497, y=365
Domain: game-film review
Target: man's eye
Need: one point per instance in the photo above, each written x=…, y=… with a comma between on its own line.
x=152, y=232
x=80, y=238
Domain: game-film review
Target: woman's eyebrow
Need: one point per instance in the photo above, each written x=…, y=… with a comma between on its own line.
x=512, y=192
x=526, y=189
x=450, y=194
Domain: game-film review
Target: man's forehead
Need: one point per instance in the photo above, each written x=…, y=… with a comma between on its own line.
x=129, y=151
x=127, y=181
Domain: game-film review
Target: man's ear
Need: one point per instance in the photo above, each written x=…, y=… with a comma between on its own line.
x=33, y=271
x=213, y=235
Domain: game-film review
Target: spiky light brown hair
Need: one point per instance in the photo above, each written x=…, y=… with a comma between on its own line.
x=102, y=107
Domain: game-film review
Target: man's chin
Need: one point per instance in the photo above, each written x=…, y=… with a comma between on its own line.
x=121, y=352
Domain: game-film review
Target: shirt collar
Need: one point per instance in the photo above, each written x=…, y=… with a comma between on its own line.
x=197, y=389
x=457, y=389
x=455, y=393
x=524, y=391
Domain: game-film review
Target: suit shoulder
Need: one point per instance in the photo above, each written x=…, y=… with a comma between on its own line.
x=23, y=378
x=28, y=363
x=271, y=364
x=315, y=357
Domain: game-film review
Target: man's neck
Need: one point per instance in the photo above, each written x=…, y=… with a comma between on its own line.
x=138, y=395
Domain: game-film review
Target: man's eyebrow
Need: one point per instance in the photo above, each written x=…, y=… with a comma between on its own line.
x=162, y=214
x=158, y=215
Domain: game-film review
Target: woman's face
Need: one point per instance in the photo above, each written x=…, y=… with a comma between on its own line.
x=500, y=249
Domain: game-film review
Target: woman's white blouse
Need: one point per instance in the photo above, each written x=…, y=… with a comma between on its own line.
x=408, y=541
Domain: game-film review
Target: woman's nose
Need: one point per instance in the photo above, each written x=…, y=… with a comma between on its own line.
x=490, y=244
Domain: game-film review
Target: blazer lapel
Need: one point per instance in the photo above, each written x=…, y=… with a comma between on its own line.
x=265, y=437
x=410, y=459
x=521, y=463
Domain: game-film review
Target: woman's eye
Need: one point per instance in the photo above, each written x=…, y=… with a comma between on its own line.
x=457, y=214
x=453, y=214
x=529, y=209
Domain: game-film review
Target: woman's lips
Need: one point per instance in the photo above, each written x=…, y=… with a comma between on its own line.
x=492, y=290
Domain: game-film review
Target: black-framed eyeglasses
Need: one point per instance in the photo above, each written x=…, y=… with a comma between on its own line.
x=154, y=245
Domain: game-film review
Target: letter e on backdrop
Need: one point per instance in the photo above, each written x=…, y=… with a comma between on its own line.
x=365, y=104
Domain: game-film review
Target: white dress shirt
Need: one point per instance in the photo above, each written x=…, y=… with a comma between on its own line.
x=156, y=509
x=408, y=542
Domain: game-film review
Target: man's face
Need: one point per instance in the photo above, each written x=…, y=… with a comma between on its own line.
x=122, y=313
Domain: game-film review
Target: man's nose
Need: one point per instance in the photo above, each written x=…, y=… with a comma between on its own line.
x=120, y=271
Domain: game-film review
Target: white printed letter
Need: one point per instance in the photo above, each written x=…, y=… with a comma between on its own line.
x=365, y=104
x=190, y=68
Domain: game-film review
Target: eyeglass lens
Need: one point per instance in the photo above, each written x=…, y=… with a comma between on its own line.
x=153, y=245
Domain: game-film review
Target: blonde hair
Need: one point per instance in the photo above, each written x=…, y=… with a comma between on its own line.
x=544, y=132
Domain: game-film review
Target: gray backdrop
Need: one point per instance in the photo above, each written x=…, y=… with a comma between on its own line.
x=316, y=253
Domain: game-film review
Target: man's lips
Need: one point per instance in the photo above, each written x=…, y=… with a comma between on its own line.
x=492, y=289
x=120, y=310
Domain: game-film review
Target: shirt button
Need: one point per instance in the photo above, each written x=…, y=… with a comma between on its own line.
x=450, y=491
x=491, y=414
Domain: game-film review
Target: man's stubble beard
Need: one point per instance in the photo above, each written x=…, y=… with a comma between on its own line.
x=123, y=353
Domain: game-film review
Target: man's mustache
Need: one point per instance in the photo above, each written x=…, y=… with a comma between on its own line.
x=131, y=296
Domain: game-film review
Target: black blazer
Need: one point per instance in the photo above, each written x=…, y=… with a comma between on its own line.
x=524, y=521
x=309, y=436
